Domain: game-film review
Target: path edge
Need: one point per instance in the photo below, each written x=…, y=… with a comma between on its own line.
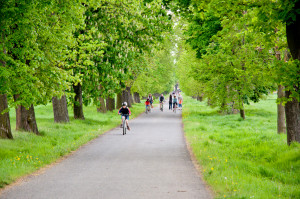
x=59, y=160
x=195, y=162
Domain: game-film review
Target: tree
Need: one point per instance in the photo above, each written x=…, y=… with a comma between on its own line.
x=292, y=107
x=265, y=18
x=34, y=34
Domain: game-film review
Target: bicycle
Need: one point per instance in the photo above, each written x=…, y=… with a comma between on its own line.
x=148, y=109
x=162, y=106
x=175, y=107
x=124, y=116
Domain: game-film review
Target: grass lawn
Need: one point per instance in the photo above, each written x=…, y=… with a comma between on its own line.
x=243, y=159
x=27, y=152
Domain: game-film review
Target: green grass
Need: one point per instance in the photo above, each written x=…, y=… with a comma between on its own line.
x=27, y=152
x=243, y=159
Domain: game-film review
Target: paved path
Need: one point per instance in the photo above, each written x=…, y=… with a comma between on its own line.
x=151, y=161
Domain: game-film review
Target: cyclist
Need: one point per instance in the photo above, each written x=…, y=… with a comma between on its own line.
x=175, y=102
x=125, y=111
x=161, y=100
x=150, y=99
x=147, y=103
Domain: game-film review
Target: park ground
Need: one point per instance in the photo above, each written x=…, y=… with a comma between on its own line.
x=237, y=158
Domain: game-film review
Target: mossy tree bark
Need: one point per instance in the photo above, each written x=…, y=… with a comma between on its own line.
x=126, y=96
x=78, y=106
x=131, y=102
x=281, y=127
x=102, y=108
x=110, y=103
x=60, y=109
x=5, y=129
x=119, y=100
x=25, y=118
x=136, y=97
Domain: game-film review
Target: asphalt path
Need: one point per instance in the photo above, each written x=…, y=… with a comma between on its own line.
x=150, y=161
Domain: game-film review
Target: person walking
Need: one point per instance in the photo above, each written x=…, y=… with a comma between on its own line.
x=180, y=101
x=161, y=101
x=170, y=102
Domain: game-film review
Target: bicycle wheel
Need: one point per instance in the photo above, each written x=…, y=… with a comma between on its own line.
x=124, y=126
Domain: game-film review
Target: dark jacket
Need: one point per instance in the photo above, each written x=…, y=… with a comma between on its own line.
x=170, y=99
x=161, y=98
x=124, y=111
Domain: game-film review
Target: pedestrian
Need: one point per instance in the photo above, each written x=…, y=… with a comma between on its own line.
x=180, y=101
x=170, y=102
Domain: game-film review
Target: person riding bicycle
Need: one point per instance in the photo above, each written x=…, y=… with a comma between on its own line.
x=150, y=99
x=175, y=102
x=125, y=111
x=161, y=100
x=147, y=103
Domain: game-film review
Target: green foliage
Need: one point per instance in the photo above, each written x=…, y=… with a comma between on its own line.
x=34, y=39
x=237, y=51
x=126, y=31
x=243, y=158
x=28, y=152
x=184, y=72
x=200, y=31
x=156, y=75
x=50, y=45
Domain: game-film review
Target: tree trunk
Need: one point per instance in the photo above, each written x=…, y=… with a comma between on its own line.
x=199, y=98
x=126, y=97
x=78, y=107
x=242, y=112
x=119, y=100
x=292, y=110
x=102, y=108
x=281, y=128
x=110, y=103
x=209, y=102
x=130, y=101
x=60, y=109
x=137, y=98
x=25, y=119
x=5, y=129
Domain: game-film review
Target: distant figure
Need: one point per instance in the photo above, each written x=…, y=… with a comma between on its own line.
x=175, y=102
x=150, y=99
x=180, y=101
x=170, y=102
x=147, y=103
x=161, y=101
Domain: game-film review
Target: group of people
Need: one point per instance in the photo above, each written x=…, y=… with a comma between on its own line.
x=175, y=100
x=124, y=111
